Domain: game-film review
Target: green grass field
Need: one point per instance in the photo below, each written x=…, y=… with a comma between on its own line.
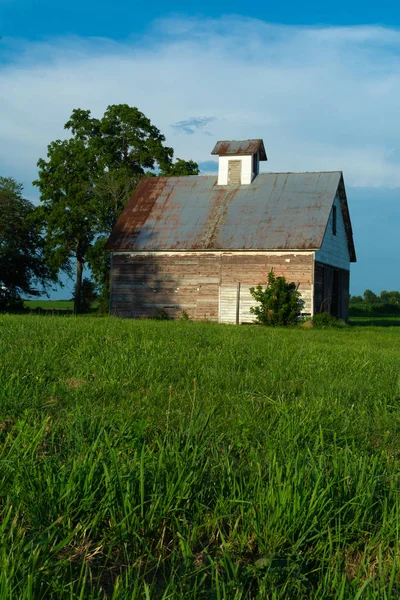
x=66, y=305
x=145, y=459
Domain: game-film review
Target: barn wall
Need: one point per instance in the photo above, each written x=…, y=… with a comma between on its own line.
x=253, y=269
x=331, y=290
x=203, y=284
x=334, y=249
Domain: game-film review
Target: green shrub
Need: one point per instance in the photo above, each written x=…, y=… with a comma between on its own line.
x=324, y=319
x=161, y=315
x=280, y=302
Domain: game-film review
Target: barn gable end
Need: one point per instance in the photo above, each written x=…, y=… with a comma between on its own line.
x=334, y=250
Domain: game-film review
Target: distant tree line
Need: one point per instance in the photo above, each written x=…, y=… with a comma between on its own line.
x=369, y=297
x=84, y=182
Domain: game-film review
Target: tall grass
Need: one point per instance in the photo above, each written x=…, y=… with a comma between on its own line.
x=185, y=460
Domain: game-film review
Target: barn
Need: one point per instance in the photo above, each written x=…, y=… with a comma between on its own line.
x=198, y=243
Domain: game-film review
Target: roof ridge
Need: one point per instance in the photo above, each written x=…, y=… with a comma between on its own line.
x=262, y=175
x=259, y=174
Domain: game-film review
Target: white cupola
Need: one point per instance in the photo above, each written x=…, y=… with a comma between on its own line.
x=239, y=161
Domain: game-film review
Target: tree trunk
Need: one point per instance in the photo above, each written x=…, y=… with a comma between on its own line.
x=78, y=285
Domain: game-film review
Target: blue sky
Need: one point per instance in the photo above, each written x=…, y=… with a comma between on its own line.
x=319, y=82
x=119, y=19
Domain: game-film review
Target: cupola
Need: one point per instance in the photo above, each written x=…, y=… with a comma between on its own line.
x=239, y=161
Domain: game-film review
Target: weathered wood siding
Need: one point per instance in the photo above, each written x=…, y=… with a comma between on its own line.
x=252, y=269
x=203, y=284
x=331, y=290
x=234, y=172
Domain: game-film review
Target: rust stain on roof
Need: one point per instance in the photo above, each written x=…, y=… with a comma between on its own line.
x=215, y=218
x=240, y=147
x=136, y=212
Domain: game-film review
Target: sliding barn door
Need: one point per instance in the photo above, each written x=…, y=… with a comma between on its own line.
x=229, y=296
x=234, y=304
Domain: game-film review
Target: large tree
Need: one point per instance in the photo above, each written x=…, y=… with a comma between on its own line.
x=86, y=181
x=66, y=182
x=23, y=270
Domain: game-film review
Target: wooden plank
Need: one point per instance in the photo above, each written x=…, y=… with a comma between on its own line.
x=328, y=281
x=345, y=295
x=234, y=172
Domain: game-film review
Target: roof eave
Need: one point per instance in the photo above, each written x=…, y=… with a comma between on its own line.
x=198, y=250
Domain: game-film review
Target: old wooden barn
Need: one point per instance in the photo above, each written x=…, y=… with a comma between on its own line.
x=198, y=243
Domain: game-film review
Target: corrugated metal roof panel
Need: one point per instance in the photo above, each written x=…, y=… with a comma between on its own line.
x=277, y=211
x=240, y=147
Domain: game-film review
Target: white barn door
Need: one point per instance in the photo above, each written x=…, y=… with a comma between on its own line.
x=228, y=303
x=234, y=304
x=235, y=301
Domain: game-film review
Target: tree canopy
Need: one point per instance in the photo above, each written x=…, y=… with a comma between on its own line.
x=370, y=297
x=86, y=181
x=127, y=146
x=23, y=270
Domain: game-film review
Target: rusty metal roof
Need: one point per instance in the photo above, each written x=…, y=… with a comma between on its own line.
x=240, y=147
x=277, y=211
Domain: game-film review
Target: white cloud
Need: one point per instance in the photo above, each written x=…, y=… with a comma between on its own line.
x=322, y=98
